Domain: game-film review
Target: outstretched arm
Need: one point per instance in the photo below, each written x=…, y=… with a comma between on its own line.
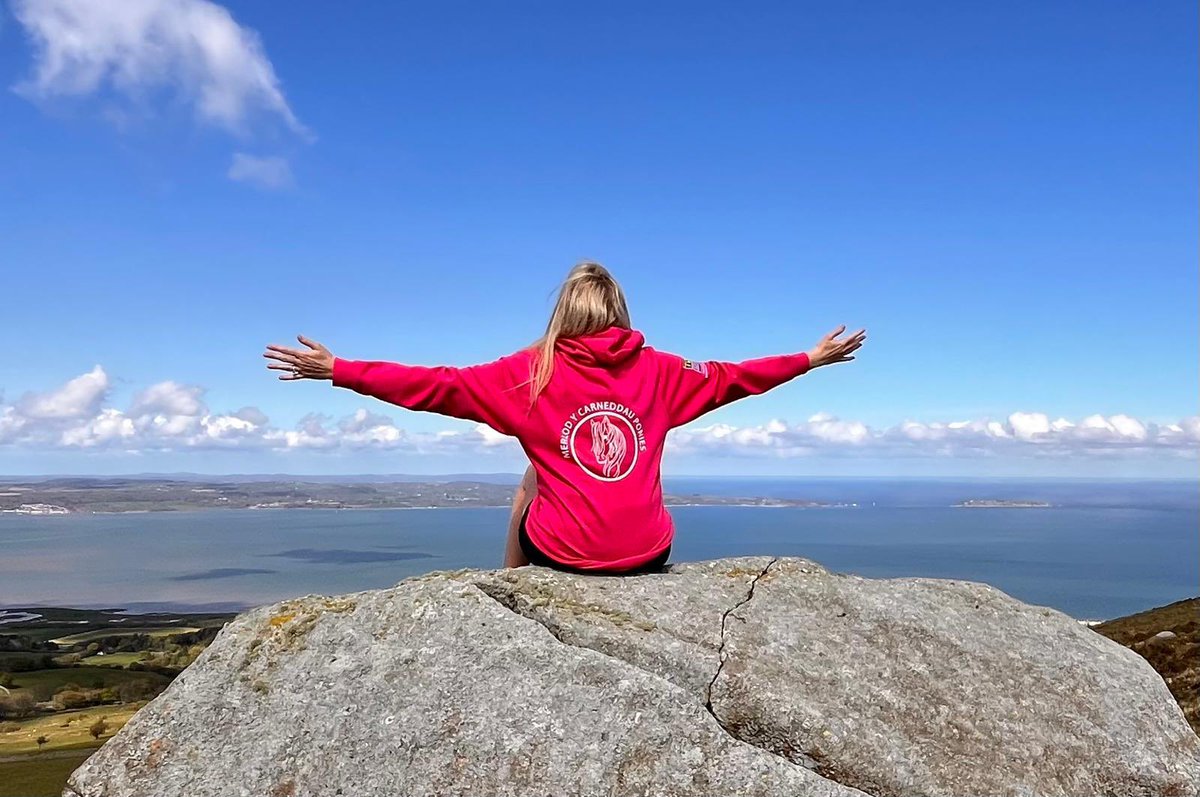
x=695, y=388
x=480, y=393
x=485, y=393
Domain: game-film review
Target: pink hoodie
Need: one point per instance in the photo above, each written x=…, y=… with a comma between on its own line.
x=595, y=436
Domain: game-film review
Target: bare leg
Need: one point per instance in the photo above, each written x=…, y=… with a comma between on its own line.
x=526, y=490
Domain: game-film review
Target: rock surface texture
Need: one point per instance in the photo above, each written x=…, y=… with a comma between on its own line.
x=749, y=676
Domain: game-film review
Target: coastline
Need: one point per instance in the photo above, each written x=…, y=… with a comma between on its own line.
x=388, y=508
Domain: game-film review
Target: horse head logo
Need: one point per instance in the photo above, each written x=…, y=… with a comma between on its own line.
x=608, y=446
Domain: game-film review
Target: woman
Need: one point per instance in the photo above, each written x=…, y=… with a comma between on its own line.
x=591, y=406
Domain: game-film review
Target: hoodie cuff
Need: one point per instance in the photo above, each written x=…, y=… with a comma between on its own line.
x=345, y=372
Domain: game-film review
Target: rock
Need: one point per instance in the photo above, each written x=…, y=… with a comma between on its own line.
x=751, y=676
x=1163, y=636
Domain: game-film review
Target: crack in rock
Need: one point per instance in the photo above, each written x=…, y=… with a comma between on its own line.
x=509, y=600
x=721, y=649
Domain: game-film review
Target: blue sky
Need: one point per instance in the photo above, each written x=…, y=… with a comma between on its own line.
x=1003, y=194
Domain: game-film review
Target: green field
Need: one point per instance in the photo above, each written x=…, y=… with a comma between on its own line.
x=87, y=677
x=14, y=660
x=39, y=775
x=153, y=631
x=26, y=654
x=114, y=659
x=26, y=771
x=65, y=730
x=54, y=623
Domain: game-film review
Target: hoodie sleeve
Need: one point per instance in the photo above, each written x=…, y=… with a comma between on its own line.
x=490, y=393
x=693, y=388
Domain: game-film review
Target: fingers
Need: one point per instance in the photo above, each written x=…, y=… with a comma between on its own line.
x=284, y=353
x=856, y=339
x=850, y=348
x=292, y=372
x=291, y=359
x=836, y=332
x=846, y=344
x=839, y=351
x=312, y=344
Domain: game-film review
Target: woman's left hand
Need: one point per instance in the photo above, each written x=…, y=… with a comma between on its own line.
x=314, y=364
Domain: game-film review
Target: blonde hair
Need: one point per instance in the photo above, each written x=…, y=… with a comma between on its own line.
x=589, y=301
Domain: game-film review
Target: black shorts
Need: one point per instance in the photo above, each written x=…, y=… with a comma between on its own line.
x=537, y=557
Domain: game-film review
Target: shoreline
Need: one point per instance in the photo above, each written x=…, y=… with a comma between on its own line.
x=384, y=508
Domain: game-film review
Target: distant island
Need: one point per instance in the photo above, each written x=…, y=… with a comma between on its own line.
x=993, y=503
x=118, y=495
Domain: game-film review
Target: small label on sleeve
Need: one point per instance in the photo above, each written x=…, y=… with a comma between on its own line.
x=700, y=368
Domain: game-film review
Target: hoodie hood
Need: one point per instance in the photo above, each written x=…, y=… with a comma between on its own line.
x=605, y=349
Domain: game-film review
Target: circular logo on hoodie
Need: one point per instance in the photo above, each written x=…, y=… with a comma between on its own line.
x=603, y=438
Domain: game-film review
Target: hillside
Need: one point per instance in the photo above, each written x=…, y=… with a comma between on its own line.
x=1176, y=657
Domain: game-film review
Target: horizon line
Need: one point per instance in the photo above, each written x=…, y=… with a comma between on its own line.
x=464, y=474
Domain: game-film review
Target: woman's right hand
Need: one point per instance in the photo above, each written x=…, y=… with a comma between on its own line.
x=317, y=363
x=831, y=350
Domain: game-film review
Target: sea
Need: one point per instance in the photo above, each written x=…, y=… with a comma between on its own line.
x=1103, y=549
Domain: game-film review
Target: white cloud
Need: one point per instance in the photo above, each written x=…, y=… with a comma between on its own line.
x=1029, y=425
x=270, y=173
x=168, y=398
x=107, y=427
x=133, y=48
x=130, y=54
x=77, y=398
x=226, y=428
x=172, y=416
x=1021, y=433
x=252, y=414
x=11, y=425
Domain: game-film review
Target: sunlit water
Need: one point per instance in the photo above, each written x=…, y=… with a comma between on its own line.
x=1104, y=549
